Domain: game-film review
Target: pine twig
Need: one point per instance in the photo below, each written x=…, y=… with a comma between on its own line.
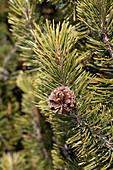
x=103, y=139
x=4, y=141
x=4, y=73
x=105, y=38
x=8, y=57
x=106, y=41
x=39, y=136
x=37, y=128
x=108, y=144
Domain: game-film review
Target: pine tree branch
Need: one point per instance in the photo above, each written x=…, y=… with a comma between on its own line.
x=105, y=38
x=37, y=128
x=4, y=73
x=107, y=42
x=8, y=57
x=84, y=123
x=4, y=141
x=27, y=14
x=108, y=144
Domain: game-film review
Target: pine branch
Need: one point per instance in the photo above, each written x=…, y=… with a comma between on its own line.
x=4, y=73
x=8, y=57
x=106, y=39
x=103, y=139
x=4, y=141
x=37, y=128
x=39, y=136
x=27, y=14
x=107, y=42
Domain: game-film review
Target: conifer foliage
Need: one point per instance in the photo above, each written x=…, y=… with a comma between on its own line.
x=68, y=85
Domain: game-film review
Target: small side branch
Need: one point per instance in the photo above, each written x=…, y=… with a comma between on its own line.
x=4, y=141
x=4, y=73
x=107, y=42
x=8, y=57
x=39, y=137
x=105, y=38
x=37, y=128
x=103, y=139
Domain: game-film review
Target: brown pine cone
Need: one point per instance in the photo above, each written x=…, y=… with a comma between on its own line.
x=62, y=100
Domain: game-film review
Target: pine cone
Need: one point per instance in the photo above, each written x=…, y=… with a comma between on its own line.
x=62, y=100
